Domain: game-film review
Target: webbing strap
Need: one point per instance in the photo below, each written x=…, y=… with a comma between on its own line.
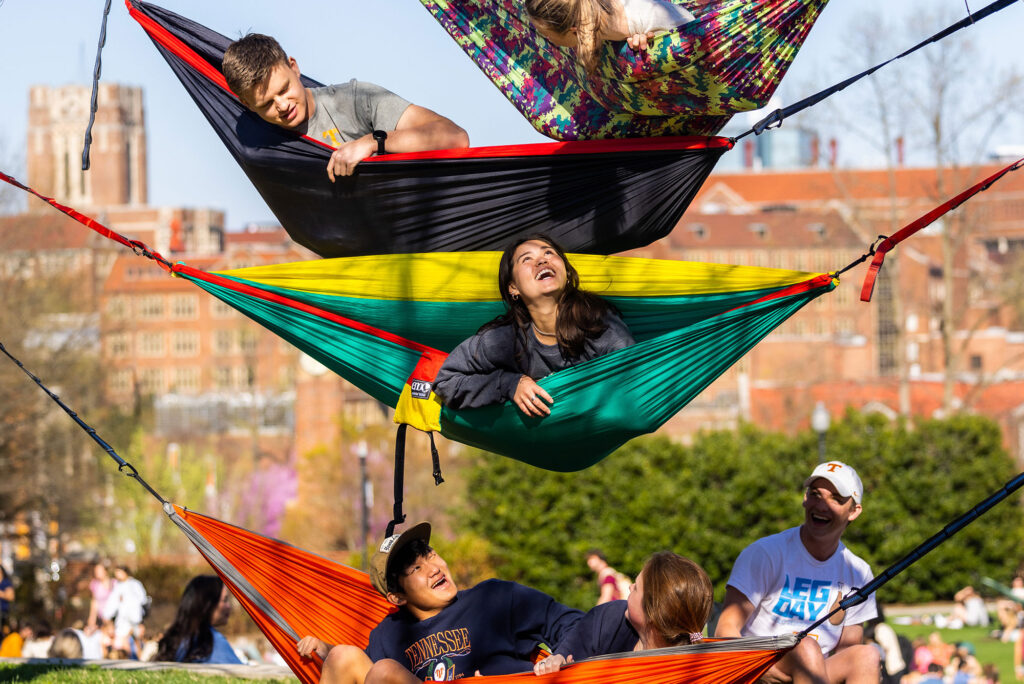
x=774, y=120
x=902, y=234
x=397, y=516
x=95, y=87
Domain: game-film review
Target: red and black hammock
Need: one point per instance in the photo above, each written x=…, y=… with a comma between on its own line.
x=593, y=197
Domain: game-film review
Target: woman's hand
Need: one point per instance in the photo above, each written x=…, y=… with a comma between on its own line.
x=530, y=398
x=309, y=645
x=552, y=663
x=638, y=41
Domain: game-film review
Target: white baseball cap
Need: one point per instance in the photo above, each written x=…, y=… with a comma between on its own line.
x=842, y=476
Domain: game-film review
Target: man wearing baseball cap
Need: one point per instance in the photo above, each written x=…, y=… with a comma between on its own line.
x=783, y=583
x=440, y=632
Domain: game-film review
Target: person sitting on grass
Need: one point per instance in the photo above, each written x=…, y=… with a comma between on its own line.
x=193, y=637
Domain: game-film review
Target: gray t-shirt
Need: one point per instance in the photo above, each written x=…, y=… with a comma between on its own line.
x=347, y=111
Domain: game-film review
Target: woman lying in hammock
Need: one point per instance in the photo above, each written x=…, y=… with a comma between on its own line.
x=586, y=24
x=667, y=606
x=550, y=324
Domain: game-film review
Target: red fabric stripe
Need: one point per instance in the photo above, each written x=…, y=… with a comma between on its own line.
x=175, y=45
x=868, y=288
x=573, y=147
x=257, y=293
x=814, y=283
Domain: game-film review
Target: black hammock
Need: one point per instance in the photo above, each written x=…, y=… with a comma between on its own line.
x=594, y=197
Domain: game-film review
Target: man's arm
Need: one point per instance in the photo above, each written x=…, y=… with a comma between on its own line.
x=418, y=130
x=735, y=613
x=852, y=635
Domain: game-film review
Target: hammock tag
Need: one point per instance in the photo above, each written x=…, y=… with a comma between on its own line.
x=418, y=406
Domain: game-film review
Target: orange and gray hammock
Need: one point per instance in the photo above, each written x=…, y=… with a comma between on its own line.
x=291, y=593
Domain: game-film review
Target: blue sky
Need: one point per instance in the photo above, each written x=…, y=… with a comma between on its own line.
x=395, y=43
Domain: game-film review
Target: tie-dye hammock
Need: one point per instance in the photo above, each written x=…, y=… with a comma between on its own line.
x=385, y=323
x=689, y=82
x=597, y=197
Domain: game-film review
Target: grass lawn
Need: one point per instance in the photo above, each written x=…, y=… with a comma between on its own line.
x=987, y=650
x=55, y=674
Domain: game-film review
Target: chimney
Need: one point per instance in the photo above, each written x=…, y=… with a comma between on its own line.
x=833, y=152
x=748, y=154
x=899, y=152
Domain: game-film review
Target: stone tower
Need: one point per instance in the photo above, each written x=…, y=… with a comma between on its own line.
x=57, y=119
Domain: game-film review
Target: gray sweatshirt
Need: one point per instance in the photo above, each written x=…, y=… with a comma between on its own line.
x=483, y=370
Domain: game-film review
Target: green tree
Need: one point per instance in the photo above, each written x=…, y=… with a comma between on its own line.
x=709, y=500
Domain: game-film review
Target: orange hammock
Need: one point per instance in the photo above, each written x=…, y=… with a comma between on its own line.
x=290, y=593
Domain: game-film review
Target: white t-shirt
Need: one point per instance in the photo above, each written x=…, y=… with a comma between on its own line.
x=791, y=590
x=654, y=15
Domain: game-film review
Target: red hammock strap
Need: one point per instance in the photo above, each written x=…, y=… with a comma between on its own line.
x=134, y=245
x=890, y=242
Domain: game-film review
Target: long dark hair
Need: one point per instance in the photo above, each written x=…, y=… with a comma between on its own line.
x=191, y=626
x=581, y=315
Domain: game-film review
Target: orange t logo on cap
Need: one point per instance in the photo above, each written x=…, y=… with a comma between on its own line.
x=833, y=467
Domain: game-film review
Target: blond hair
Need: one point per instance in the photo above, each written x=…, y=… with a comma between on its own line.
x=588, y=17
x=677, y=598
x=248, y=62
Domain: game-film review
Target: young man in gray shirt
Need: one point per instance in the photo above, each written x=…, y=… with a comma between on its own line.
x=343, y=116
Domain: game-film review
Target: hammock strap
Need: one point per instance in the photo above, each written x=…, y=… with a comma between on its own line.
x=436, y=460
x=889, y=243
x=136, y=246
x=397, y=516
x=861, y=595
x=123, y=466
x=775, y=119
x=95, y=88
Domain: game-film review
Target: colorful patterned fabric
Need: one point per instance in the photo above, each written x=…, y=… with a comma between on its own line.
x=689, y=82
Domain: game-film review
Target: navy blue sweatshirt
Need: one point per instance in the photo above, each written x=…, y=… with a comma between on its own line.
x=493, y=627
x=604, y=629
x=483, y=370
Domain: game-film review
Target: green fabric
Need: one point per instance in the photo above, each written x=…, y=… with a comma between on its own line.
x=684, y=344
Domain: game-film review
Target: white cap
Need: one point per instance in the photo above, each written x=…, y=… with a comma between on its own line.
x=842, y=476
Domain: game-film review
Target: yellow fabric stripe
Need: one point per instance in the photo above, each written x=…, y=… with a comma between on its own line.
x=472, y=276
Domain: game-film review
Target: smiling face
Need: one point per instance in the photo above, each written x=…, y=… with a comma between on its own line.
x=537, y=271
x=635, y=605
x=281, y=99
x=427, y=586
x=826, y=513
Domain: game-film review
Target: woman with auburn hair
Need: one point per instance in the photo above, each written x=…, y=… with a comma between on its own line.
x=668, y=605
x=549, y=324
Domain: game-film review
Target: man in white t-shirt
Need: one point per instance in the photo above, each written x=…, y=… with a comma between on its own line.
x=784, y=583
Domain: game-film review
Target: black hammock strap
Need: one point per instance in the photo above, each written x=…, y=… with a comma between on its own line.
x=123, y=466
x=775, y=119
x=860, y=595
x=95, y=87
x=397, y=515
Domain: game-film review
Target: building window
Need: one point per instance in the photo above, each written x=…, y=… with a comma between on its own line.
x=118, y=346
x=976, y=363
x=222, y=377
x=185, y=343
x=117, y=308
x=151, y=344
x=184, y=306
x=120, y=381
x=186, y=379
x=760, y=230
x=248, y=341
x=245, y=377
x=151, y=306
x=223, y=341
x=699, y=230
x=219, y=309
x=151, y=380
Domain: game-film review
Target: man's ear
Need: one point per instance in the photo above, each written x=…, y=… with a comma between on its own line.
x=294, y=66
x=855, y=513
x=396, y=599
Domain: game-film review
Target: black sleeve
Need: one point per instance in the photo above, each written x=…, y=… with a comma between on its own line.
x=538, y=618
x=604, y=629
x=480, y=371
x=615, y=336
